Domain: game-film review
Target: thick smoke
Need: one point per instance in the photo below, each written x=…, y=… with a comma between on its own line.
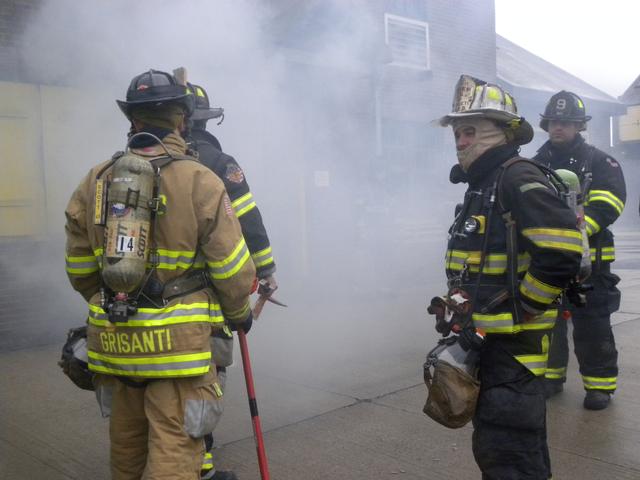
x=357, y=253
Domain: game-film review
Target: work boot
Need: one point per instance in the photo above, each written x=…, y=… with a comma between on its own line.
x=596, y=400
x=219, y=475
x=552, y=387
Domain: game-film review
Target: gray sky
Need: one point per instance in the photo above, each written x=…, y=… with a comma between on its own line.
x=592, y=39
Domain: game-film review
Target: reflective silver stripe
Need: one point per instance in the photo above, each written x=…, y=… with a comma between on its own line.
x=229, y=266
x=148, y=366
x=608, y=253
x=207, y=461
x=537, y=367
x=83, y=265
x=157, y=316
x=489, y=325
x=456, y=261
x=556, y=373
x=503, y=322
x=595, y=383
x=495, y=263
x=536, y=290
x=606, y=197
x=262, y=257
x=171, y=263
x=542, y=239
x=201, y=312
x=243, y=204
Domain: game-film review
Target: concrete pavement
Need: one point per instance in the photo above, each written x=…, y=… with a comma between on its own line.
x=340, y=396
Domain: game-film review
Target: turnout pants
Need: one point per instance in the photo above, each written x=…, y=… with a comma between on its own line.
x=510, y=434
x=593, y=339
x=156, y=431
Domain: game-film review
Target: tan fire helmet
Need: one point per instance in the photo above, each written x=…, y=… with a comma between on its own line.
x=477, y=98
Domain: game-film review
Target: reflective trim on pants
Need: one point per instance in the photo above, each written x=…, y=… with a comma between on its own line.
x=599, y=383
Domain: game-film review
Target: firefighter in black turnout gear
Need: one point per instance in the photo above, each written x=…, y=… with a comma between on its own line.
x=225, y=166
x=604, y=194
x=513, y=247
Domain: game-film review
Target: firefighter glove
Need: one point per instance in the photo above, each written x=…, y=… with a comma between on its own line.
x=245, y=326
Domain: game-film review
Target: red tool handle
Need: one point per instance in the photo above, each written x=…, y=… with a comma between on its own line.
x=253, y=406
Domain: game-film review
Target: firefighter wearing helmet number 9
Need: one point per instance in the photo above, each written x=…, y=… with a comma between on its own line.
x=604, y=196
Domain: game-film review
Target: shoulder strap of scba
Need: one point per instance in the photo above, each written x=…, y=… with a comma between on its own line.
x=510, y=224
x=560, y=187
x=158, y=162
x=156, y=202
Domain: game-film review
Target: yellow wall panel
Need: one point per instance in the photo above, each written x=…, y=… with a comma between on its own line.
x=22, y=191
x=629, y=125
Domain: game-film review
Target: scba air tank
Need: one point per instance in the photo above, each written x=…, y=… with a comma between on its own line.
x=128, y=223
x=574, y=199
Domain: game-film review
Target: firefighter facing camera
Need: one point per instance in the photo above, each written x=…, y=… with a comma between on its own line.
x=602, y=187
x=154, y=247
x=513, y=247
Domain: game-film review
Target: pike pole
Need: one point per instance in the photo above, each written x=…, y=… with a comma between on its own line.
x=253, y=406
x=265, y=293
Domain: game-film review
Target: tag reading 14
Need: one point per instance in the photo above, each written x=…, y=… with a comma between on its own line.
x=125, y=244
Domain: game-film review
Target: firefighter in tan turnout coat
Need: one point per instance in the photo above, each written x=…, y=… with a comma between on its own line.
x=150, y=346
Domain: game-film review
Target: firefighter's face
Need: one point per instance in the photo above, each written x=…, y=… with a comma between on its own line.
x=562, y=132
x=465, y=137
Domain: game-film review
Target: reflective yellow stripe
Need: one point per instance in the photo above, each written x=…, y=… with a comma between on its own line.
x=556, y=238
x=240, y=313
x=495, y=263
x=555, y=373
x=262, y=257
x=606, y=197
x=608, y=253
x=151, y=367
x=217, y=390
x=174, y=259
x=81, y=265
x=243, y=204
x=199, y=312
x=592, y=225
x=232, y=264
x=537, y=364
x=538, y=291
x=503, y=322
x=599, y=383
x=207, y=462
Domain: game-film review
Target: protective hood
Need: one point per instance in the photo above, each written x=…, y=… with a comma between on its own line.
x=488, y=135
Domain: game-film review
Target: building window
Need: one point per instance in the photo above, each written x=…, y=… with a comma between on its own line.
x=408, y=41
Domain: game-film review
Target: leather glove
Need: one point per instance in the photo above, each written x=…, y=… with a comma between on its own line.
x=469, y=339
x=438, y=307
x=245, y=326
